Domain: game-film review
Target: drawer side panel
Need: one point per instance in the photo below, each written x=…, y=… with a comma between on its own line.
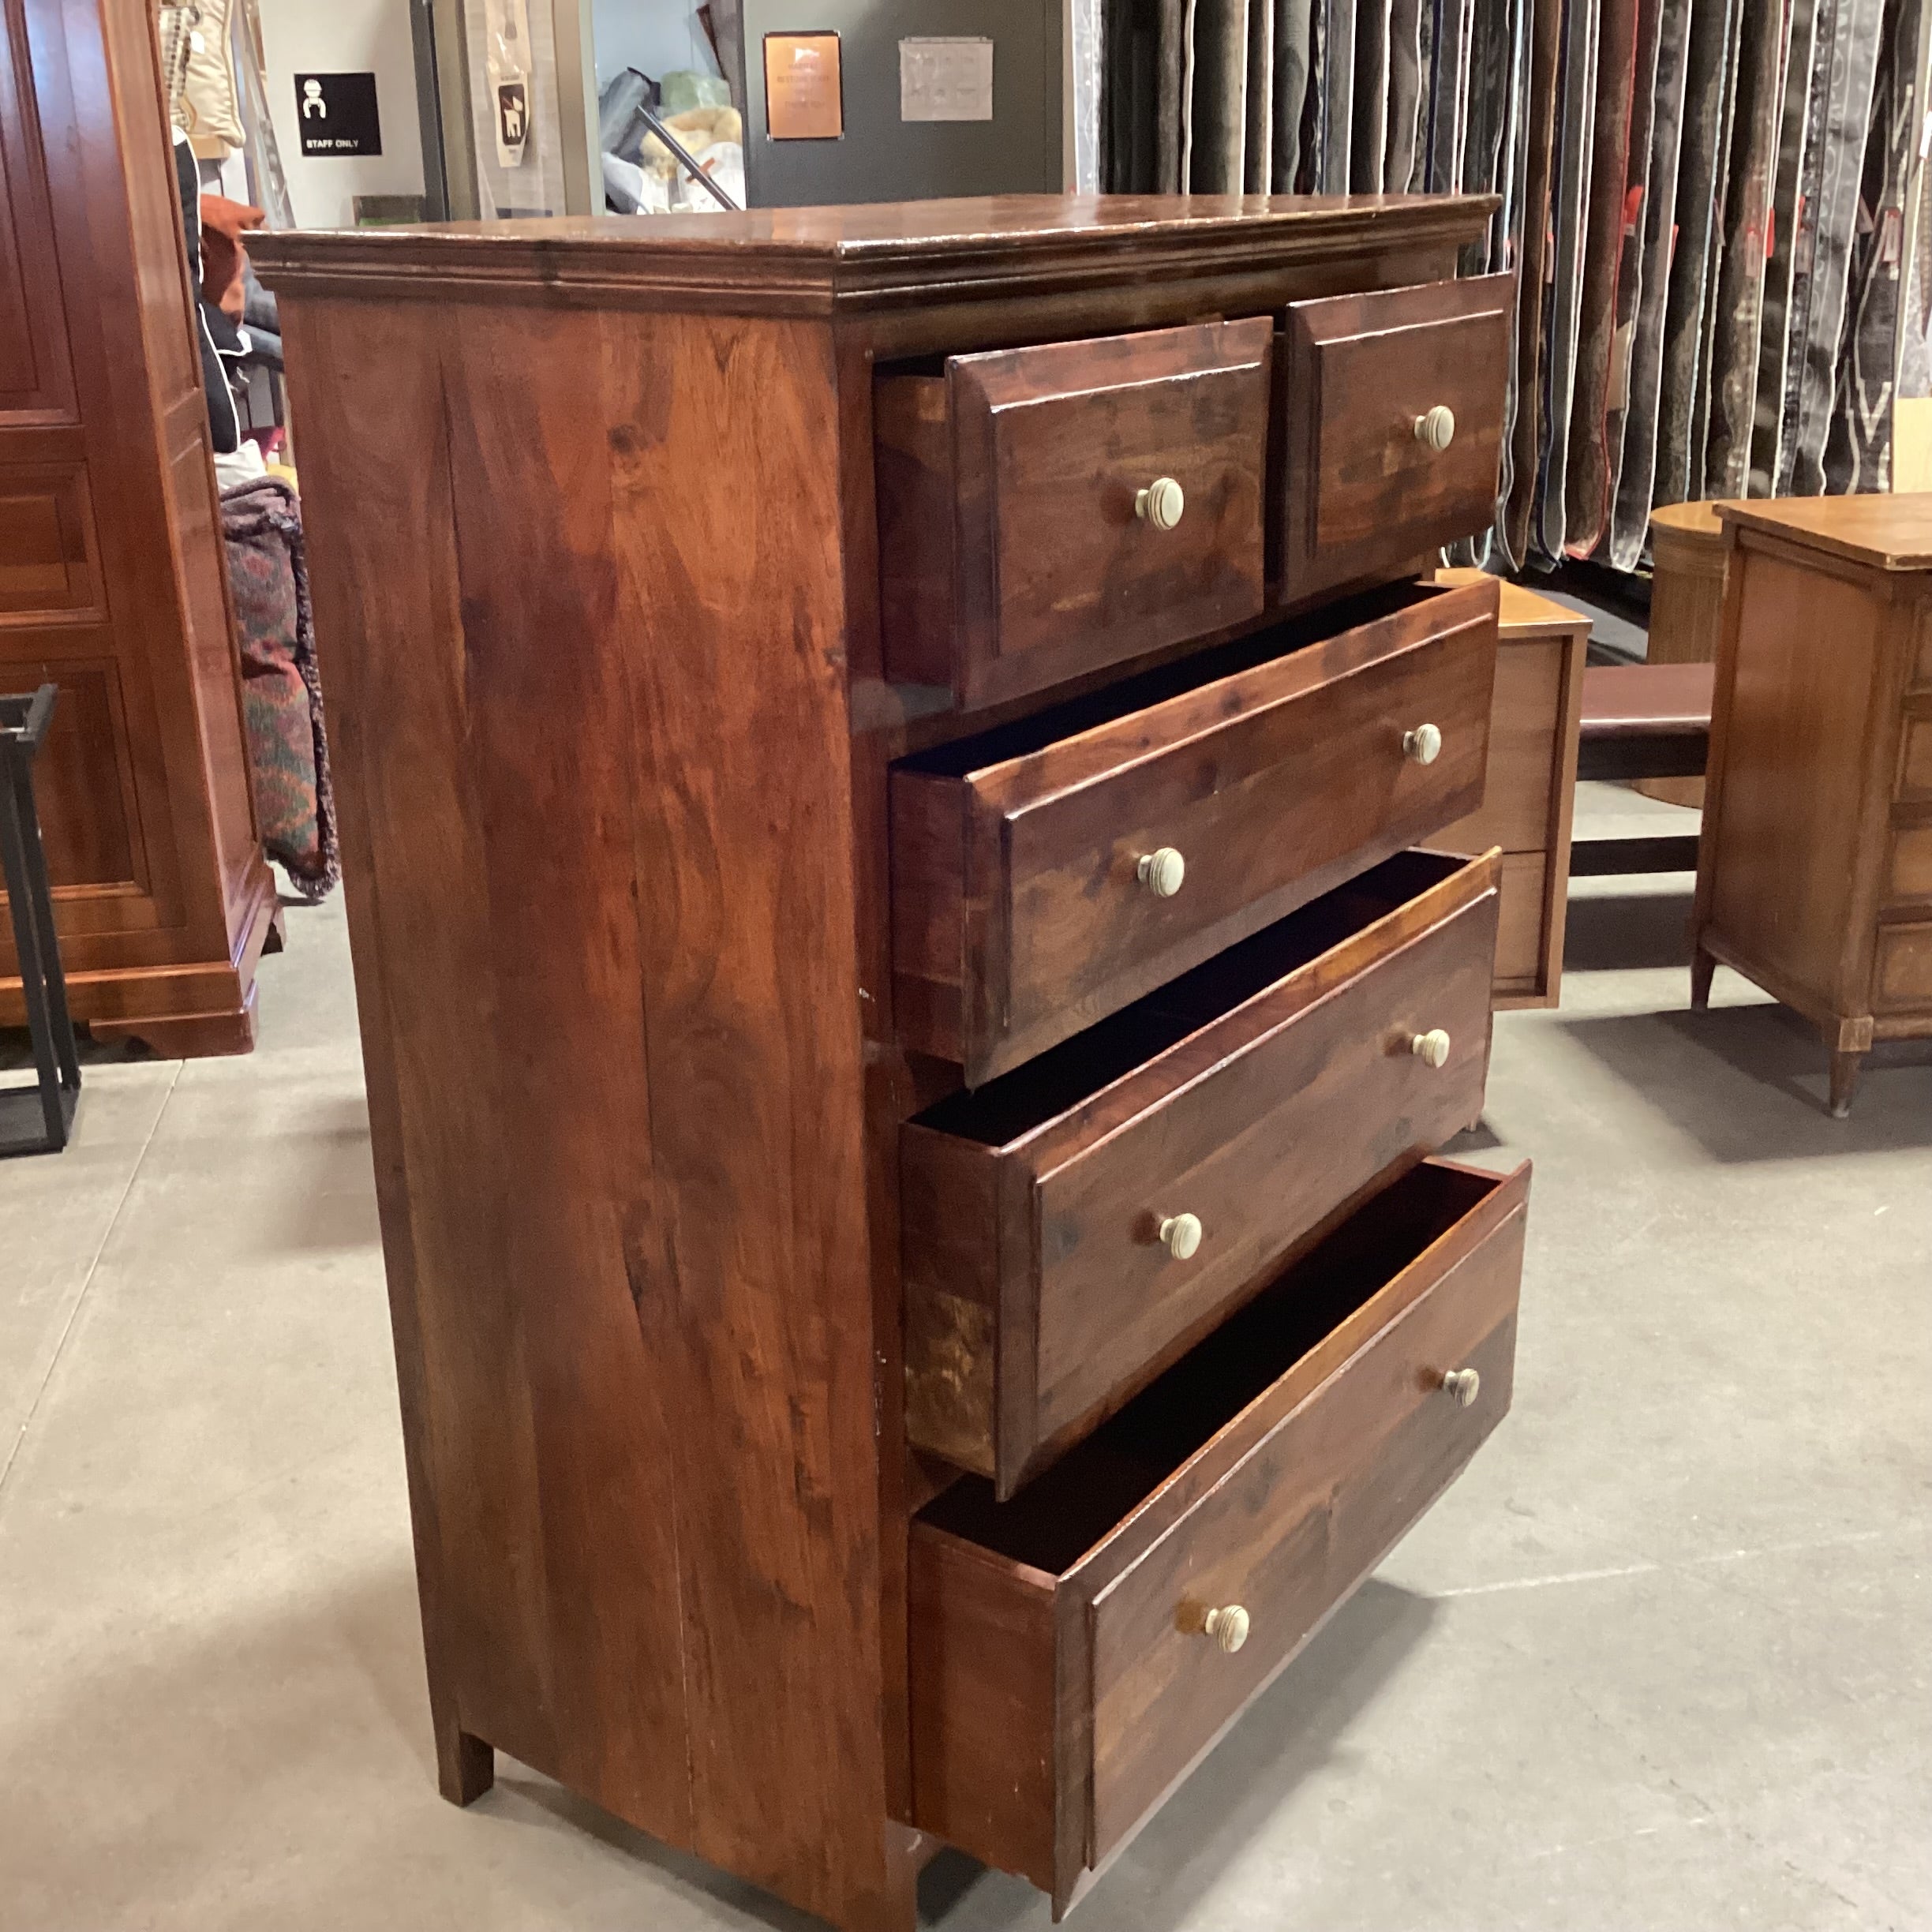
x=985, y=1703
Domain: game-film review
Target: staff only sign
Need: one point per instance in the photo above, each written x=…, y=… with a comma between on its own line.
x=336, y=113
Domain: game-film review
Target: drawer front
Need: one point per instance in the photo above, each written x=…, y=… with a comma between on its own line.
x=1106, y=501
x=1020, y=893
x=1365, y=490
x=1914, y=779
x=1063, y=1676
x=1910, y=878
x=1902, y=969
x=1290, y=1533
x=1282, y=1130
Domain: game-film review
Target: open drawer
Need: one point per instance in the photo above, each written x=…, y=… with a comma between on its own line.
x=1390, y=410
x=1051, y=511
x=1075, y=1651
x=1046, y=873
x=1070, y=1229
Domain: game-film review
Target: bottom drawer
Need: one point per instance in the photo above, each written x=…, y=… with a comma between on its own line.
x=1075, y=1650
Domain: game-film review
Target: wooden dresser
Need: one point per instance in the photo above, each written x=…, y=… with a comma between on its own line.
x=880, y=751
x=1529, y=798
x=112, y=581
x=1814, y=868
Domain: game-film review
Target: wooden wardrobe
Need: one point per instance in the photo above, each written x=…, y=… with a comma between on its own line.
x=112, y=581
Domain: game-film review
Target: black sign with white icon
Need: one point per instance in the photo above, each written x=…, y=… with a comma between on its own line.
x=336, y=113
x=512, y=113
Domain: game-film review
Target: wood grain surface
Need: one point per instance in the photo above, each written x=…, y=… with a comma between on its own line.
x=1360, y=495
x=113, y=583
x=1259, y=1094
x=605, y=1289
x=1011, y=554
x=1276, y=768
x=1820, y=777
x=1273, y=1467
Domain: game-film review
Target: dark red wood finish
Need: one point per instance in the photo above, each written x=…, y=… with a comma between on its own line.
x=1363, y=493
x=1040, y=1295
x=1018, y=913
x=1013, y=554
x=113, y=584
x=1062, y=1680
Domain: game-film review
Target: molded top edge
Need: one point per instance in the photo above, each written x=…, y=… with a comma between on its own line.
x=814, y=257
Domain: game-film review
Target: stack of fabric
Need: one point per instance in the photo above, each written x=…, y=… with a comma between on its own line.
x=1716, y=210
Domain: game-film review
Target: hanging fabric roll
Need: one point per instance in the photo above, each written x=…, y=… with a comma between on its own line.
x=1630, y=515
x=1699, y=437
x=1843, y=79
x=1570, y=193
x=1764, y=38
x=1767, y=386
x=1294, y=52
x=1706, y=81
x=1857, y=452
x=1545, y=22
x=1587, y=504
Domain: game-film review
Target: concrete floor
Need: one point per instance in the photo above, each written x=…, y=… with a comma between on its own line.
x=1659, y=1662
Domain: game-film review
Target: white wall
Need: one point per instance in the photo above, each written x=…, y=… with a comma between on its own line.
x=343, y=36
x=657, y=37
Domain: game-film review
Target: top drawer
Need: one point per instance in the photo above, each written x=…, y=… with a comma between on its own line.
x=1048, y=511
x=1391, y=415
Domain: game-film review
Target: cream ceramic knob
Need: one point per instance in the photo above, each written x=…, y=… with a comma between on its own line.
x=1181, y=1235
x=1228, y=1628
x=1461, y=1386
x=1431, y=1048
x=1436, y=427
x=1161, y=502
x=1423, y=746
x=1162, y=872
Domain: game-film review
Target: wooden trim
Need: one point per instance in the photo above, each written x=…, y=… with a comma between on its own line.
x=816, y=262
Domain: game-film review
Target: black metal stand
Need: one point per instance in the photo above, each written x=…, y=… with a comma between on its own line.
x=34, y=1120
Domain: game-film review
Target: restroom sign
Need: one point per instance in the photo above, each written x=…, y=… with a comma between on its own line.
x=336, y=114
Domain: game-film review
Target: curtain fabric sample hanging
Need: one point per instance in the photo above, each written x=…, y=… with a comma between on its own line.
x=1716, y=209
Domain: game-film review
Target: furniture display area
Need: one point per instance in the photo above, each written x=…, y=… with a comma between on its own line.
x=879, y=753
x=1530, y=794
x=1815, y=872
x=112, y=578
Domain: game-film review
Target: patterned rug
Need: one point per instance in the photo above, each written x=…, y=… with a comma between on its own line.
x=281, y=685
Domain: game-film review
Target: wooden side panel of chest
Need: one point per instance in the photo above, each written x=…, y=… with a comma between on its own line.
x=613, y=1051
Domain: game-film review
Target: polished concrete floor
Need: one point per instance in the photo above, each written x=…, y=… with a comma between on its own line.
x=1662, y=1659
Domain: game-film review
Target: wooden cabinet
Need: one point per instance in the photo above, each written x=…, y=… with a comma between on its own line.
x=903, y=1036
x=1529, y=789
x=1812, y=874
x=112, y=581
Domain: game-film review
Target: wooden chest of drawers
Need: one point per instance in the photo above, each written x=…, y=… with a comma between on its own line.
x=904, y=1031
x=1814, y=869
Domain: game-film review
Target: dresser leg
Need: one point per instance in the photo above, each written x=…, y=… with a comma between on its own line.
x=1845, y=1067
x=1703, y=965
x=466, y=1766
